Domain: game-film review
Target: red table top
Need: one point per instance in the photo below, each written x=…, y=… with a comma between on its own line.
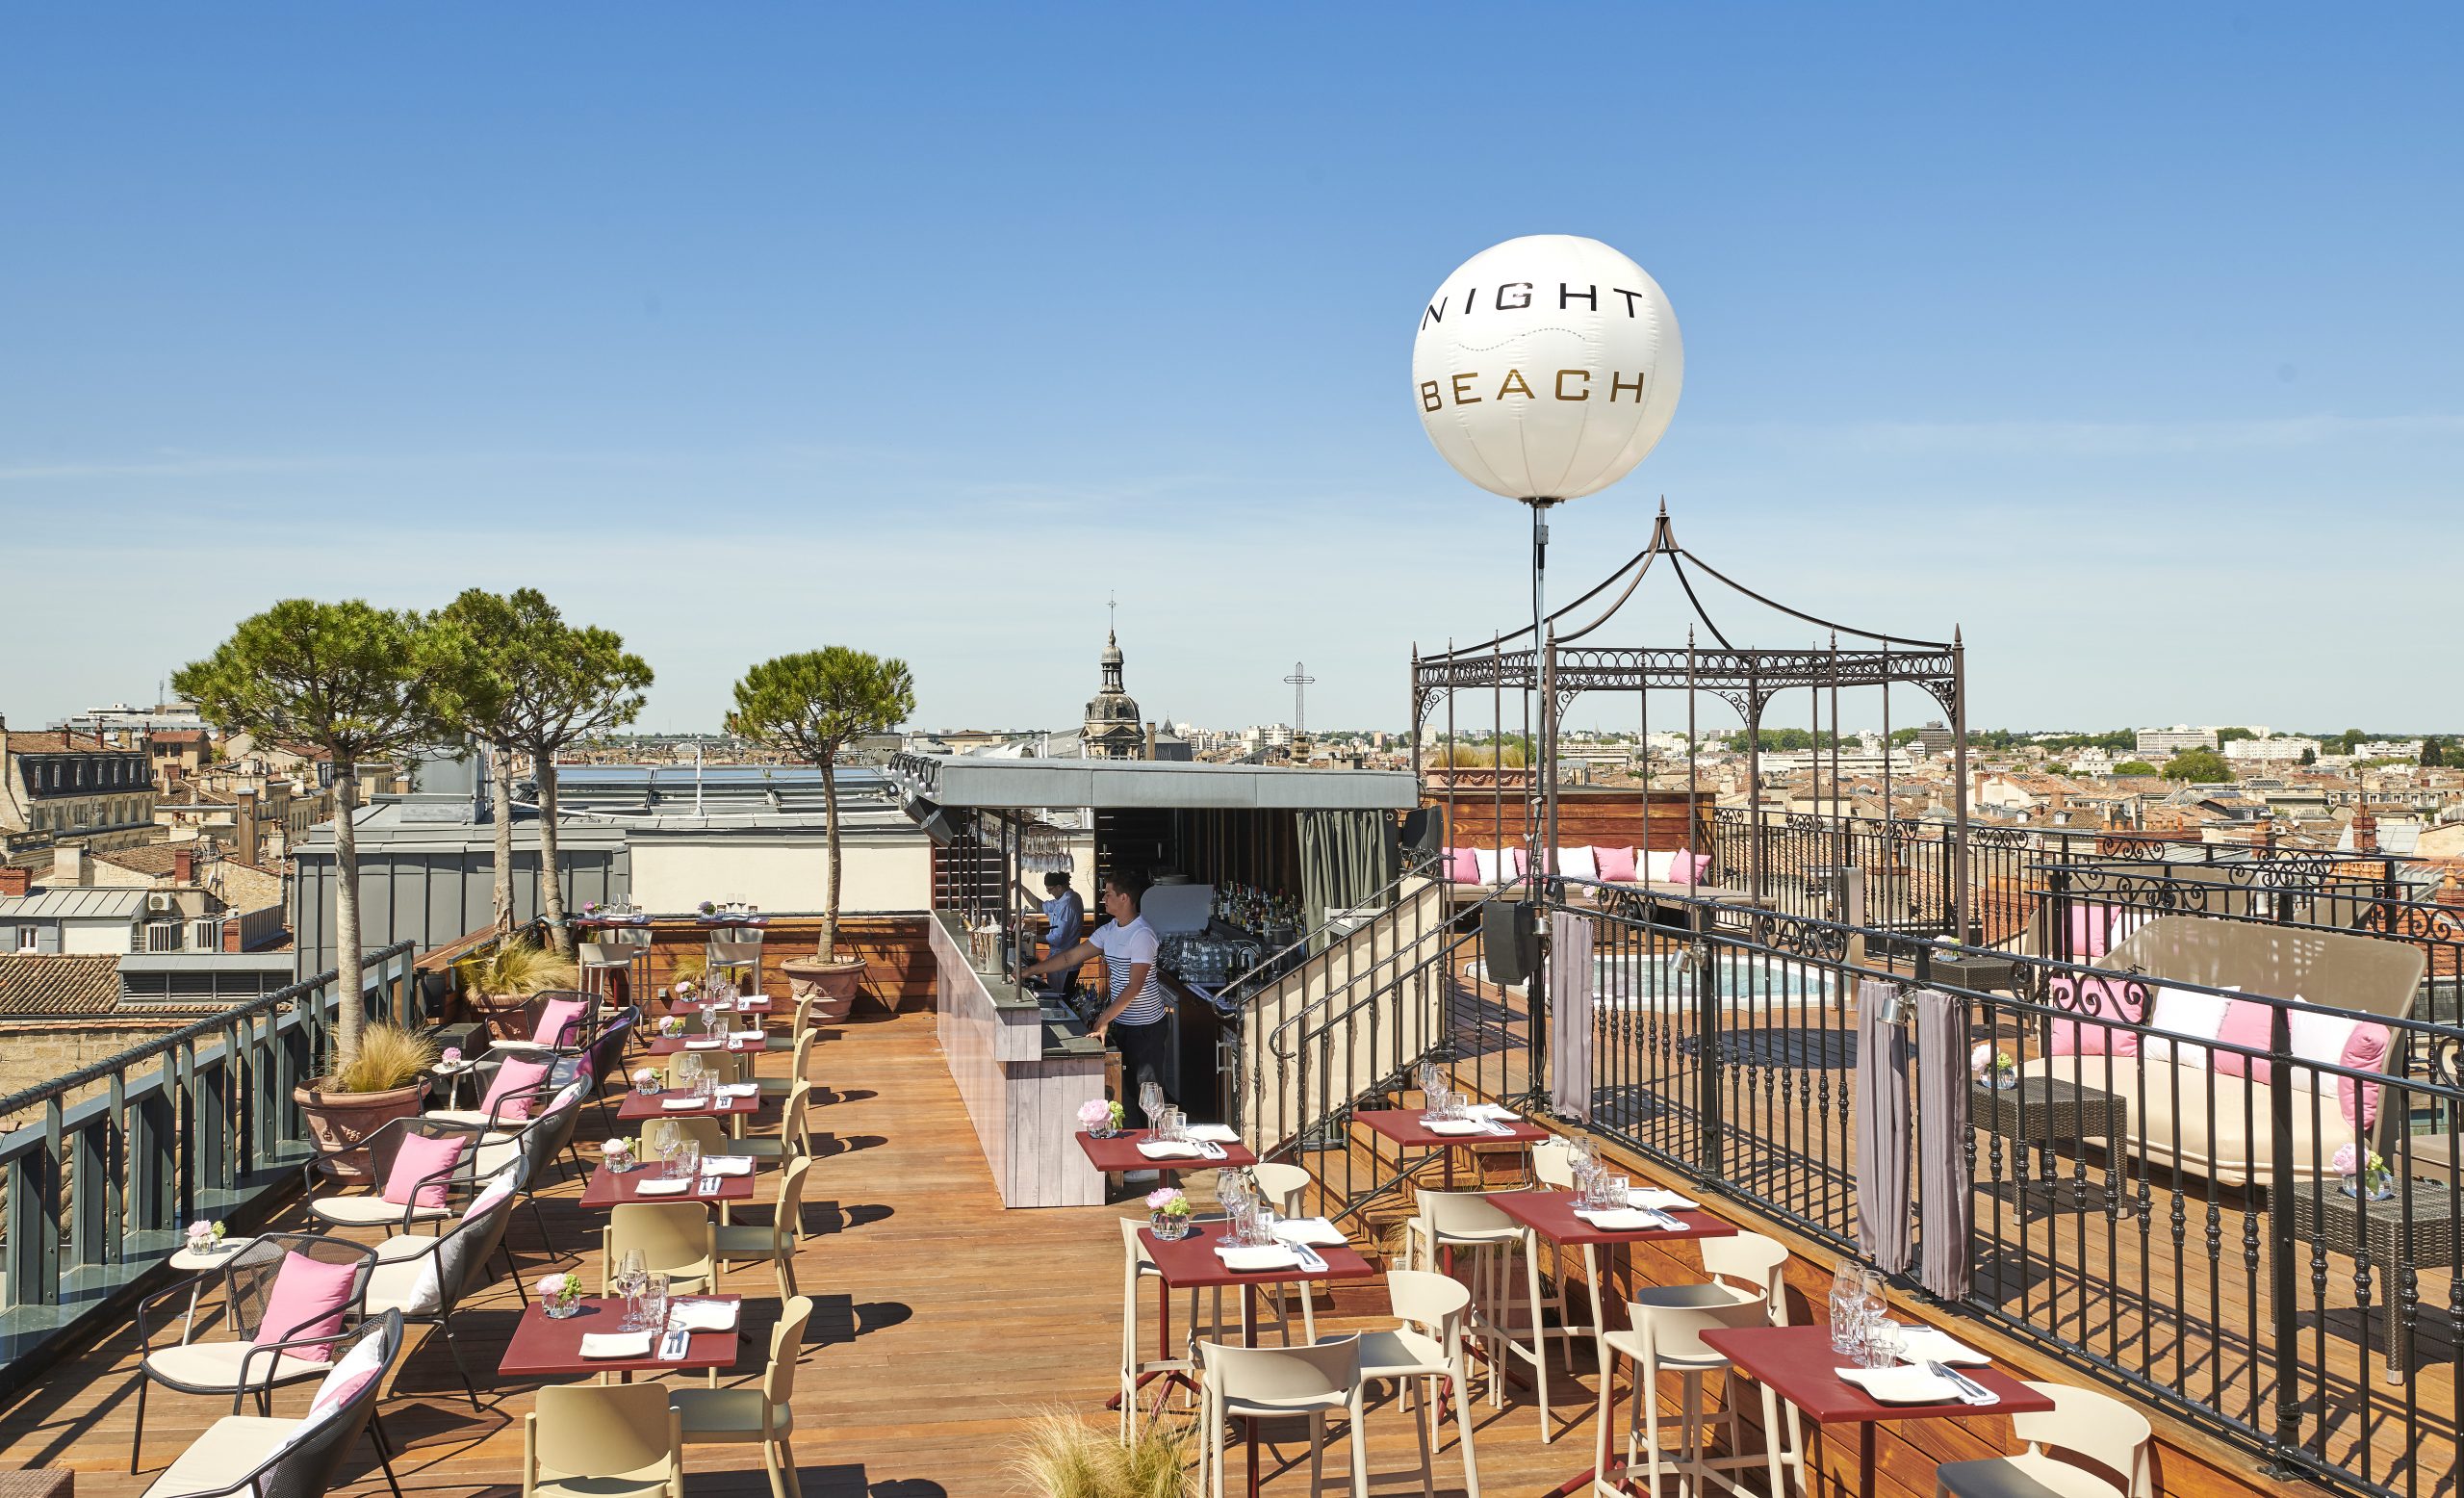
x=1403, y=1125
x=1120, y=1153
x=544, y=1347
x=608, y=1188
x=1797, y=1363
x=671, y=1045
x=639, y=1107
x=1190, y=1263
x=1552, y=1215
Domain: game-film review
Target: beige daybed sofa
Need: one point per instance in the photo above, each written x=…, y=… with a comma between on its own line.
x=2187, y=1112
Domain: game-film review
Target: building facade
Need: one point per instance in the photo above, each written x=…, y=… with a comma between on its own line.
x=62, y=783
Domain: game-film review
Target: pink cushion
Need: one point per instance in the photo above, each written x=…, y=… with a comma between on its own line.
x=2108, y=998
x=2089, y=926
x=307, y=1301
x=1614, y=862
x=2246, y=1023
x=514, y=1079
x=558, y=1017
x=419, y=1158
x=1461, y=868
x=2365, y=1052
x=1688, y=868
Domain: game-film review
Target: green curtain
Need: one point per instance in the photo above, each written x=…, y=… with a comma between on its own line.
x=1346, y=857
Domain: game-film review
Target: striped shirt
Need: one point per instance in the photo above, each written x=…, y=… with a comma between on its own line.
x=1125, y=948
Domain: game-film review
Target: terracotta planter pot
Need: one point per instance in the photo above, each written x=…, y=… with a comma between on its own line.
x=839, y=980
x=337, y=1122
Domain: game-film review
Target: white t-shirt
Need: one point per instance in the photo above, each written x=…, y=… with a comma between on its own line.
x=1125, y=948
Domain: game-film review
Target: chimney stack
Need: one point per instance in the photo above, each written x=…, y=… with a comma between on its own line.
x=245, y=827
x=2365, y=832
x=1150, y=741
x=15, y=881
x=184, y=865
x=69, y=866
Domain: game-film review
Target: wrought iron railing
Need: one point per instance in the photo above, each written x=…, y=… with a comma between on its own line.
x=103, y=1166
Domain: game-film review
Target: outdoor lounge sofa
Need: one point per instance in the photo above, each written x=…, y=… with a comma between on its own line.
x=2198, y=1102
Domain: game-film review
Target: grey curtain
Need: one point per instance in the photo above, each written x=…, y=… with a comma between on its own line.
x=1346, y=857
x=1572, y=976
x=1881, y=1106
x=1946, y=1207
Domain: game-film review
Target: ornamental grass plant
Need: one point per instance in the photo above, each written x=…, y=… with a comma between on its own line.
x=1063, y=1456
x=388, y=1057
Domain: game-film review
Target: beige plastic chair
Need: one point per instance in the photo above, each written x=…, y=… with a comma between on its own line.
x=1137, y=1265
x=777, y=1242
x=800, y=1064
x=1746, y=1267
x=1425, y=1347
x=1552, y=1164
x=740, y=962
x=603, y=1440
x=727, y=1065
x=675, y=1238
x=1469, y=1220
x=1669, y=1339
x=2082, y=1423
x=766, y=1415
x=1255, y=1383
x=795, y=1131
x=1552, y=1168
x=1287, y=1187
x=602, y=965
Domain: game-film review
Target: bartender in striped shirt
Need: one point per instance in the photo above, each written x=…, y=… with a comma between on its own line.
x=1136, y=1005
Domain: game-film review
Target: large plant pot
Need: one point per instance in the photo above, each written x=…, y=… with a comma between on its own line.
x=337, y=1122
x=838, y=981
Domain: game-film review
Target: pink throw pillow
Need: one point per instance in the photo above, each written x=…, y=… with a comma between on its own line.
x=2365, y=1051
x=1614, y=862
x=515, y=1080
x=307, y=1301
x=419, y=1158
x=560, y=1021
x=2108, y=998
x=2088, y=927
x=1461, y=866
x=1687, y=867
x=2246, y=1023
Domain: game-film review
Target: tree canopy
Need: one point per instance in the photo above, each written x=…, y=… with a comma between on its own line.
x=814, y=703
x=2198, y=764
x=2134, y=768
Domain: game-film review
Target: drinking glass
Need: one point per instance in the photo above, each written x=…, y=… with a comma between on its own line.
x=1877, y=1304
x=1612, y=1191
x=1437, y=1100
x=1240, y=1222
x=629, y=1271
x=654, y=1302
x=1265, y=1218
x=1885, y=1340
x=1433, y=1077
x=1150, y=1100
x=688, y=1158
x=1847, y=1311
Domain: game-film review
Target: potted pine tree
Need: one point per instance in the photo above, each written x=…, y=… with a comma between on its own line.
x=812, y=705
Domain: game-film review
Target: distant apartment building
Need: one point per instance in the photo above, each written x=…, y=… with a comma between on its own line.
x=2174, y=740
x=1266, y=736
x=1934, y=738
x=2287, y=749
x=177, y=753
x=61, y=784
x=2388, y=749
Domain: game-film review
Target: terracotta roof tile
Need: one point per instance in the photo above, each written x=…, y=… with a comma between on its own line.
x=30, y=986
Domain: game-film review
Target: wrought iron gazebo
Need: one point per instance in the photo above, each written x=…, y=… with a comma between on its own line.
x=1549, y=678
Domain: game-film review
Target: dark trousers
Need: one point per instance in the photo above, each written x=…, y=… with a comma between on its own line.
x=1145, y=1051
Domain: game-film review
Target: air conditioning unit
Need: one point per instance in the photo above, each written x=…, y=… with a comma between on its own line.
x=159, y=904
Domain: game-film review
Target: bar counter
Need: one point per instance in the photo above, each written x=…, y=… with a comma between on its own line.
x=1022, y=1067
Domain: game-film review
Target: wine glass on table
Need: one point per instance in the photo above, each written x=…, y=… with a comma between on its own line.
x=1150, y=1102
x=630, y=1272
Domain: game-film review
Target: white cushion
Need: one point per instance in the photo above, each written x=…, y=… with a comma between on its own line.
x=1578, y=863
x=1657, y=865
x=1487, y=859
x=215, y=1365
x=2192, y=1016
x=2317, y=1037
x=231, y=1448
x=409, y=1286
x=366, y=1355
x=498, y=1187
x=369, y=1211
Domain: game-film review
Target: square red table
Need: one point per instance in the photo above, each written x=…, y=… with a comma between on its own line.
x=675, y=1045
x=1120, y=1154
x=544, y=1347
x=640, y=1108
x=612, y=1188
x=1796, y=1363
x=1404, y=1127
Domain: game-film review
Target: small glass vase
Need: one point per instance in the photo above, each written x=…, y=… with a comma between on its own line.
x=1169, y=1226
x=2002, y=1081
x=2382, y=1190
x=1102, y=1131
x=559, y=1309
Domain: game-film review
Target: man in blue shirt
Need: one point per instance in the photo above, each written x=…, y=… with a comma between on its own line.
x=1065, y=916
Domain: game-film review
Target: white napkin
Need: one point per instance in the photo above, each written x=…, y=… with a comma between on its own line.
x=1315, y=1230
x=680, y=1103
x=1665, y=1201
x=1213, y=1134
x=702, y=1315
x=1619, y=1218
x=663, y=1188
x=1902, y=1384
x=727, y=1165
x=1248, y=1260
x=1168, y=1149
x=1933, y=1345
x=739, y=1089
x=1456, y=1126
x=709, y=1043
x=1486, y=1111
x=753, y=1034
x=616, y=1344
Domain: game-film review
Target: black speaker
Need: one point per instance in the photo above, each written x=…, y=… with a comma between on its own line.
x=1509, y=941
x=936, y=820
x=1424, y=834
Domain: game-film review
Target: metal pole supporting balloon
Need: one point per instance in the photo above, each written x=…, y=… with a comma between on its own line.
x=1544, y=769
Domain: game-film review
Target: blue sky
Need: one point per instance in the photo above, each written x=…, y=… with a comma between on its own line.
x=2123, y=337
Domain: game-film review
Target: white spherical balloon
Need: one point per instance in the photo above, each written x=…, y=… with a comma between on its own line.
x=1547, y=367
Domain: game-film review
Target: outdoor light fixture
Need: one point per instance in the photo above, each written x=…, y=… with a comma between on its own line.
x=934, y=818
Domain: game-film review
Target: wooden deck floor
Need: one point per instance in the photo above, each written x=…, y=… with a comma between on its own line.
x=943, y=1322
